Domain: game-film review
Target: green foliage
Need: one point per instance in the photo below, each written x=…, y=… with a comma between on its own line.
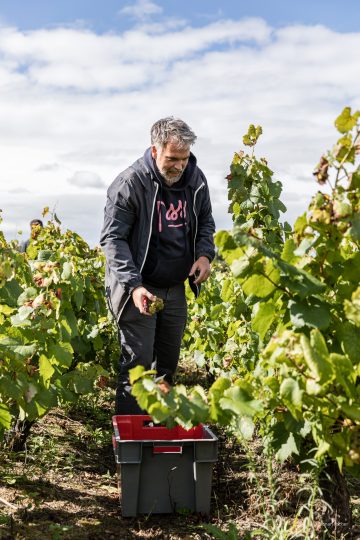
x=255, y=198
x=283, y=332
x=56, y=339
x=218, y=334
x=216, y=532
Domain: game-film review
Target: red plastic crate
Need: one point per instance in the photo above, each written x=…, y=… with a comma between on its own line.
x=142, y=428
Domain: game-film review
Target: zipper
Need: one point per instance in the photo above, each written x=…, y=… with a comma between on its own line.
x=196, y=226
x=147, y=245
x=151, y=220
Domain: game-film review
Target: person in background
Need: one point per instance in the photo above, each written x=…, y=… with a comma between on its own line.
x=34, y=224
x=158, y=231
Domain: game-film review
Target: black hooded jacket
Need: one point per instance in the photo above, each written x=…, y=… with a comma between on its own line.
x=128, y=226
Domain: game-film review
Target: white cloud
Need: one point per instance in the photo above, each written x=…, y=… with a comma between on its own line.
x=86, y=179
x=73, y=100
x=141, y=9
x=81, y=212
x=46, y=167
x=76, y=57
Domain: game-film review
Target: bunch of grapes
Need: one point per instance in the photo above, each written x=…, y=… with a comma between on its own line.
x=153, y=306
x=6, y=269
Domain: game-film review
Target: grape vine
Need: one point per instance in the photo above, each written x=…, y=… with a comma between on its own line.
x=56, y=339
x=282, y=330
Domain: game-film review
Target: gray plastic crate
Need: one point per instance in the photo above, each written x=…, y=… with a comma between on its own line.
x=165, y=475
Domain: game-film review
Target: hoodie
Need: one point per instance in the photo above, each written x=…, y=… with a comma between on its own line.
x=170, y=255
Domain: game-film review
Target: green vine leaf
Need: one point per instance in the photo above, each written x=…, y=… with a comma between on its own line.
x=319, y=365
x=345, y=122
x=311, y=312
x=264, y=318
x=352, y=307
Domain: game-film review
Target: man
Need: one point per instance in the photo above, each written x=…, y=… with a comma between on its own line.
x=35, y=226
x=158, y=231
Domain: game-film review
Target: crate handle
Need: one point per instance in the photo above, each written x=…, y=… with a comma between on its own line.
x=151, y=424
x=167, y=449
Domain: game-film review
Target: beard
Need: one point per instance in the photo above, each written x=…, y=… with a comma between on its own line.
x=170, y=180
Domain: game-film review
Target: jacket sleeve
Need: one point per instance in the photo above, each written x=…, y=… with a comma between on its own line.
x=206, y=227
x=119, y=216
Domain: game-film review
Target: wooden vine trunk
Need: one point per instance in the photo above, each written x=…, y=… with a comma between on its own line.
x=338, y=515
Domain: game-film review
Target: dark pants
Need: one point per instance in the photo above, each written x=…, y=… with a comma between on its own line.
x=153, y=342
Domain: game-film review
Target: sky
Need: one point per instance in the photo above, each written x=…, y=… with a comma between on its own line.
x=81, y=83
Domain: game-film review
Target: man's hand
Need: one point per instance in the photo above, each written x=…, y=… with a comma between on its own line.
x=139, y=296
x=201, y=270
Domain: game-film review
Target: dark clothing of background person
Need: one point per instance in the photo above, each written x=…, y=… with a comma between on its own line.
x=151, y=236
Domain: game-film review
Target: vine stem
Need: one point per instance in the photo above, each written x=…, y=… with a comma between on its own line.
x=6, y=503
x=275, y=284
x=341, y=164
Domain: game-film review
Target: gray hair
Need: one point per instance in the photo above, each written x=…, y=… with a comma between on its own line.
x=171, y=129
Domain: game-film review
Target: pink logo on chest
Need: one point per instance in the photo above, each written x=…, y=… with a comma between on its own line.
x=172, y=214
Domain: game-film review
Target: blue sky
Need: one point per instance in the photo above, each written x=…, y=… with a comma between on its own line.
x=106, y=16
x=81, y=83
